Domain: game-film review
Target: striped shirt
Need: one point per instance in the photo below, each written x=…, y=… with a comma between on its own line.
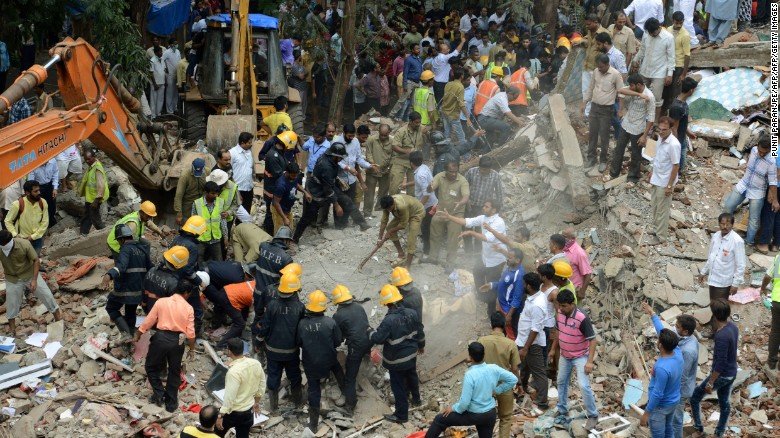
x=760, y=171
x=574, y=334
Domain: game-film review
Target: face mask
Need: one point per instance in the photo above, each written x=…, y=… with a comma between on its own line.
x=7, y=247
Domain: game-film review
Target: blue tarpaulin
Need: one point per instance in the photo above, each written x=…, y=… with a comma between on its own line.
x=165, y=16
x=255, y=20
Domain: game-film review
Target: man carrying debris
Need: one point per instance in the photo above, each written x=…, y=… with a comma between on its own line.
x=666, y=166
x=211, y=208
x=476, y=405
x=352, y=320
x=137, y=222
x=408, y=214
x=509, y=290
x=401, y=334
x=161, y=280
x=279, y=329
x=244, y=389
x=664, y=391
x=130, y=267
x=502, y=351
x=637, y=114
x=453, y=192
x=28, y=217
x=273, y=259
x=579, y=261
x=174, y=320
x=21, y=267
x=188, y=189
x=531, y=339
x=689, y=348
x=318, y=337
x=406, y=140
x=94, y=189
x=247, y=238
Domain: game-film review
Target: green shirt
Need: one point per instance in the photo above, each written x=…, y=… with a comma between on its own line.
x=453, y=102
x=19, y=263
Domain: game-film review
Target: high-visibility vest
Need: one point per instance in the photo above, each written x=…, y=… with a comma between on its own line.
x=776, y=280
x=518, y=80
x=569, y=286
x=213, y=220
x=88, y=185
x=486, y=90
x=227, y=195
x=420, y=104
x=241, y=294
x=139, y=230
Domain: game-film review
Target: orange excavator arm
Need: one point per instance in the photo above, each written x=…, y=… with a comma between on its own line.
x=98, y=108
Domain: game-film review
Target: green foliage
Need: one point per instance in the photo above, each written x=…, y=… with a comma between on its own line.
x=45, y=15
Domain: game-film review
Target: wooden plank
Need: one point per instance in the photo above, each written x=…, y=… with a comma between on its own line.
x=444, y=367
x=735, y=55
x=14, y=378
x=91, y=351
x=210, y=350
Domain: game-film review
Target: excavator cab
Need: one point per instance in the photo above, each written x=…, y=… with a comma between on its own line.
x=208, y=110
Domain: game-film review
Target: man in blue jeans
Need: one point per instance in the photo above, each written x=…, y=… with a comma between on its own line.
x=724, y=367
x=664, y=390
x=769, y=239
x=760, y=178
x=689, y=348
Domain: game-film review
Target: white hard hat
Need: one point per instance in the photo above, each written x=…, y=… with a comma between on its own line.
x=219, y=176
x=205, y=279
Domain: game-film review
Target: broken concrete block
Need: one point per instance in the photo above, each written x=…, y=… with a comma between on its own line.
x=759, y=416
x=531, y=213
x=55, y=331
x=729, y=162
x=703, y=354
x=700, y=297
x=88, y=370
x=728, y=176
x=762, y=260
x=614, y=265
x=671, y=313
x=679, y=277
x=677, y=215
x=702, y=315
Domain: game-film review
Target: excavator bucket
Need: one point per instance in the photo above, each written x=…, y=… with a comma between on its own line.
x=222, y=131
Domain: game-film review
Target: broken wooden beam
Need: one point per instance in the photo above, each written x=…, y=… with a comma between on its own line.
x=93, y=352
x=745, y=54
x=634, y=359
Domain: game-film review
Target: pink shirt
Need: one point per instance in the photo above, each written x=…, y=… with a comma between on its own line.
x=580, y=265
x=398, y=65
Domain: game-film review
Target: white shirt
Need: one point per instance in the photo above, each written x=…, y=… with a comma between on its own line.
x=329, y=13
x=171, y=57
x=354, y=157
x=549, y=321
x=644, y=10
x=12, y=193
x=422, y=179
x=441, y=66
x=69, y=154
x=499, y=20
x=726, y=260
x=656, y=55
x=243, y=167
x=532, y=319
x=667, y=154
x=490, y=257
x=484, y=49
x=465, y=23
x=158, y=70
x=497, y=106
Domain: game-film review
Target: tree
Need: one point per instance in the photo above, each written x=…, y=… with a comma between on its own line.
x=347, y=63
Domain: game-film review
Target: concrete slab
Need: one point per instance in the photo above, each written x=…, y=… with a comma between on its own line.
x=93, y=244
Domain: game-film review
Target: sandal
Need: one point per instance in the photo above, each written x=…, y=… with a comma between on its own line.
x=763, y=249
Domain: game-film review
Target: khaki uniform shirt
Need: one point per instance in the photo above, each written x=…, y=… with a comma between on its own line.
x=188, y=190
x=450, y=193
x=591, y=49
x=379, y=153
x=247, y=238
x=501, y=351
x=409, y=140
x=453, y=102
x=406, y=207
x=624, y=40
x=19, y=263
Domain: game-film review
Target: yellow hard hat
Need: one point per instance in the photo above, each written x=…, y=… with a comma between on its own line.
x=195, y=225
x=340, y=294
x=562, y=269
x=497, y=71
x=149, y=208
x=288, y=138
x=400, y=277
x=178, y=256
x=292, y=268
x=427, y=75
x=289, y=284
x=389, y=295
x=316, y=301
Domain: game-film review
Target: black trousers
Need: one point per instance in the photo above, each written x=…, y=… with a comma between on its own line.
x=484, y=423
x=113, y=307
x=536, y=366
x=343, y=220
x=484, y=275
x=314, y=390
x=425, y=230
x=403, y=382
x=352, y=368
x=91, y=217
x=599, y=122
x=634, y=165
x=311, y=211
x=774, y=335
x=210, y=251
x=242, y=421
x=47, y=193
x=268, y=222
x=165, y=350
x=238, y=317
x=246, y=199
x=290, y=367
x=438, y=90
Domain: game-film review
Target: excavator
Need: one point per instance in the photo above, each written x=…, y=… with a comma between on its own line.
x=97, y=107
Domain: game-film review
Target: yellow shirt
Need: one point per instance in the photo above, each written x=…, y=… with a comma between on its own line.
x=34, y=220
x=276, y=119
x=682, y=46
x=181, y=72
x=244, y=382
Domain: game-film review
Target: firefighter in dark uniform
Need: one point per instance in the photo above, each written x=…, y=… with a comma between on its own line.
x=352, y=319
x=278, y=330
x=221, y=274
x=318, y=337
x=128, y=274
x=161, y=280
x=400, y=332
x=188, y=238
x=401, y=279
x=272, y=259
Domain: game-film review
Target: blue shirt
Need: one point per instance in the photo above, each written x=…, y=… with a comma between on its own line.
x=286, y=190
x=412, y=69
x=689, y=348
x=315, y=152
x=724, y=354
x=479, y=384
x=5, y=60
x=19, y=111
x=469, y=94
x=664, y=387
x=46, y=173
x=509, y=288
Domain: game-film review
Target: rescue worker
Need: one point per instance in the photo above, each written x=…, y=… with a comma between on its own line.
x=130, y=267
x=188, y=237
x=211, y=208
x=401, y=279
x=402, y=337
x=273, y=257
x=318, y=337
x=352, y=319
x=233, y=300
x=487, y=89
x=171, y=317
x=521, y=79
x=137, y=221
x=408, y=214
x=246, y=238
x=279, y=331
x=424, y=101
x=275, y=164
x=94, y=189
x=406, y=140
x=379, y=150
x=160, y=281
x=453, y=193
x=284, y=194
x=228, y=193
x=189, y=188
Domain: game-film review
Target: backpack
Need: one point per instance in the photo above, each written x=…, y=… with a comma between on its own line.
x=21, y=209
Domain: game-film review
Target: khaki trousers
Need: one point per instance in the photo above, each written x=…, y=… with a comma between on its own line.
x=506, y=405
x=660, y=205
x=412, y=231
x=439, y=229
x=397, y=173
x=277, y=219
x=372, y=183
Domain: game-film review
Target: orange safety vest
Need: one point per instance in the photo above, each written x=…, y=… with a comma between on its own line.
x=518, y=80
x=487, y=89
x=240, y=294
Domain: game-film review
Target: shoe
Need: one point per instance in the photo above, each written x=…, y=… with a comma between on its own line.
x=602, y=167
x=364, y=226
x=416, y=403
x=349, y=409
x=314, y=419
x=591, y=423
x=156, y=400
x=394, y=419
x=562, y=420
x=170, y=407
x=296, y=397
